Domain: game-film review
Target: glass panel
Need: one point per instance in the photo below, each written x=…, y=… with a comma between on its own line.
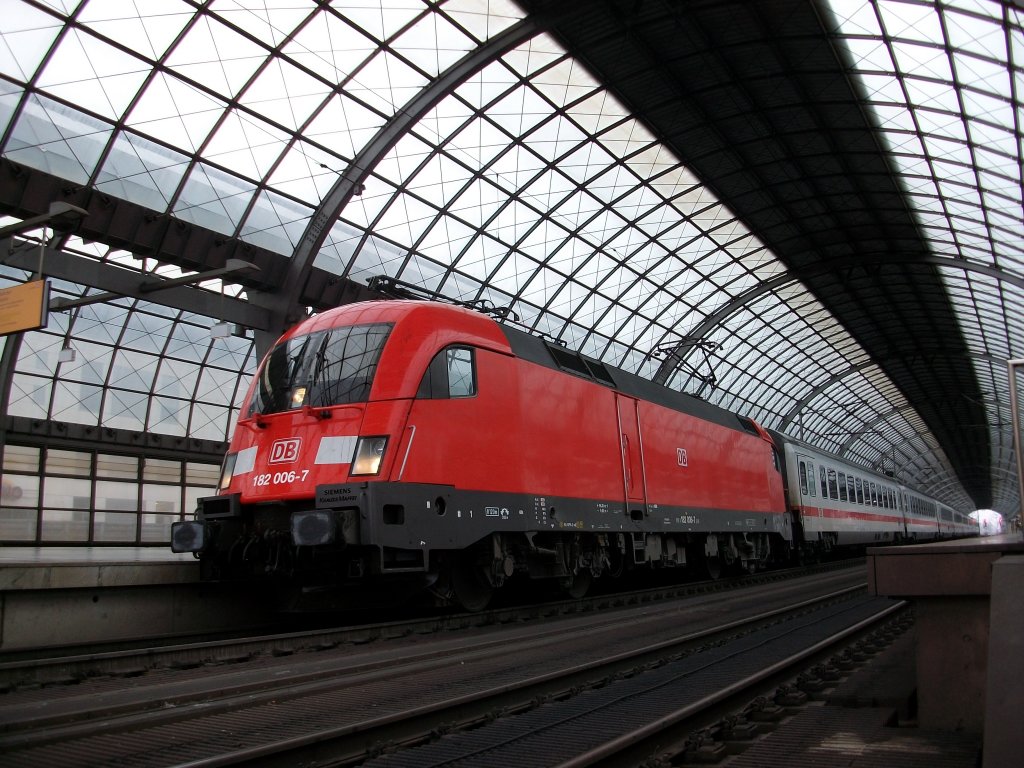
x=60, y=462
x=156, y=528
x=149, y=34
x=206, y=475
x=62, y=525
x=168, y=416
x=115, y=526
x=141, y=171
x=125, y=410
x=163, y=499
x=209, y=422
x=112, y=496
x=19, y=491
x=276, y=223
x=161, y=470
x=93, y=74
x=176, y=112
x=21, y=458
x=67, y=493
x=10, y=97
x=109, y=465
x=57, y=139
x=214, y=199
x=194, y=493
x=17, y=524
x=26, y=35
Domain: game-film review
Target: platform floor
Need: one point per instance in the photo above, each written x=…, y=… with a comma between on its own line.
x=867, y=721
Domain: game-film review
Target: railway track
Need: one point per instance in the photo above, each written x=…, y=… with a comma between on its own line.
x=346, y=704
x=54, y=666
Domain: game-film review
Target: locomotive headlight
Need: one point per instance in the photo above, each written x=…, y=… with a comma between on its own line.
x=227, y=471
x=369, y=454
x=313, y=528
x=298, y=397
x=188, y=536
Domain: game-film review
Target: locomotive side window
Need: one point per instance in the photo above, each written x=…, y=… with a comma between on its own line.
x=803, y=478
x=461, y=379
x=452, y=373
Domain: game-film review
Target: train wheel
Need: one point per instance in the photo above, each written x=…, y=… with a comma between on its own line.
x=470, y=585
x=712, y=567
x=578, y=584
x=702, y=565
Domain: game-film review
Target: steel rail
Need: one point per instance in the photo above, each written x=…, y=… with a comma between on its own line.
x=524, y=689
x=573, y=672
x=664, y=723
x=82, y=663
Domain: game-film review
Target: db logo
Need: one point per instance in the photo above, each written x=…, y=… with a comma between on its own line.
x=285, y=450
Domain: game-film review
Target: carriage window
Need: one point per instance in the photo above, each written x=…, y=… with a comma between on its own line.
x=452, y=373
x=824, y=483
x=860, y=492
x=833, y=491
x=842, y=486
x=850, y=487
x=803, y=478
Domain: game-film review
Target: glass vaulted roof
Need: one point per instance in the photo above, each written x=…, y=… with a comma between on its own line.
x=525, y=182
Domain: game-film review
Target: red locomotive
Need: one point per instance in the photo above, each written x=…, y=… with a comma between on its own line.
x=419, y=444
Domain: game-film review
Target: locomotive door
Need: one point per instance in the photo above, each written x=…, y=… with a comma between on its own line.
x=634, y=482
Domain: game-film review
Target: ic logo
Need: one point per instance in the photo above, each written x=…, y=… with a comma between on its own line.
x=283, y=451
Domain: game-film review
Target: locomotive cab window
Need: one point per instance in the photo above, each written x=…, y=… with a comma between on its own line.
x=320, y=369
x=451, y=374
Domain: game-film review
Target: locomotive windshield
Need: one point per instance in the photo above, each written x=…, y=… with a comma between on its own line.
x=320, y=369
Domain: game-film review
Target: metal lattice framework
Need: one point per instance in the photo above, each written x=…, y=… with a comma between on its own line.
x=817, y=203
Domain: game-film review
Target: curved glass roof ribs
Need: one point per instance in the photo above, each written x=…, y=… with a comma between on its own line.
x=944, y=84
x=593, y=230
x=137, y=365
x=526, y=183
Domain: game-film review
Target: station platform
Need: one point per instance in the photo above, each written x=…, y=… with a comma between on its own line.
x=93, y=567
x=62, y=596
x=970, y=634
